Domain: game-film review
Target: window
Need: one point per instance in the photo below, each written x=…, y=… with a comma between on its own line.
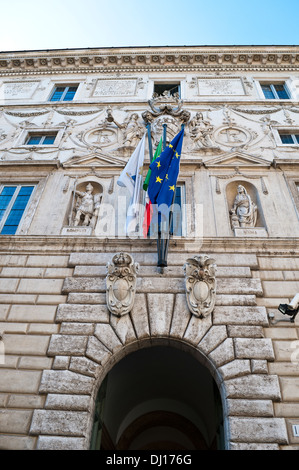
x=40, y=139
x=275, y=91
x=288, y=138
x=169, y=88
x=178, y=217
x=64, y=93
x=13, y=202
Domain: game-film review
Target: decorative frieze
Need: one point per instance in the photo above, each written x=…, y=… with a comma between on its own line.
x=192, y=58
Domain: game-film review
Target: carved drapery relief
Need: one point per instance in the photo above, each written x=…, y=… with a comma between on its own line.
x=200, y=285
x=244, y=211
x=121, y=284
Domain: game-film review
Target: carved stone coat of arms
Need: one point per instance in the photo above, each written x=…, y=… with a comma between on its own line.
x=200, y=284
x=121, y=284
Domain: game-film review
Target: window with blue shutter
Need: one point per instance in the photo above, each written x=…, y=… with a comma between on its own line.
x=274, y=91
x=13, y=202
x=64, y=93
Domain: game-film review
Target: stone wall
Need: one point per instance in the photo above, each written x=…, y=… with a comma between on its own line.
x=60, y=341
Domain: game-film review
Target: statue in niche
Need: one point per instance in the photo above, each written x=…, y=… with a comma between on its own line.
x=244, y=211
x=201, y=131
x=87, y=207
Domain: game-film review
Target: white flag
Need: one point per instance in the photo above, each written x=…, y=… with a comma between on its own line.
x=132, y=178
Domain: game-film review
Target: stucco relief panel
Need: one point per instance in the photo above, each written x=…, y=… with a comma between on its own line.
x=18, y=90
x=119, y=87
x=220, y=86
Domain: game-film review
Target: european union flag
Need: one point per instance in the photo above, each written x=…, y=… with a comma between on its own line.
x=165, y=171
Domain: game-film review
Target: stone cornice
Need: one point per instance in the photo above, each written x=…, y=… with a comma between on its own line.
x=138, y=59
x=40, y=244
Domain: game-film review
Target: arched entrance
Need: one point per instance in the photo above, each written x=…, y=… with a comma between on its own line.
x=158, y=398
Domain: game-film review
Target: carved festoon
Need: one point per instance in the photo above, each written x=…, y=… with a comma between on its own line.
x=200, y=284
x=121, y=284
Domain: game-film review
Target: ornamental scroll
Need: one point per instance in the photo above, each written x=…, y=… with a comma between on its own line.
x=121, y=284
x=200, y=284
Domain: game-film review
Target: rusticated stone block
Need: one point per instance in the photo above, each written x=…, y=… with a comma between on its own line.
x=239, y=286
x=242, y=446
x=181, y=316
x=160, y=285
x=82, y=313
x=223, y=353
x=97, y=351
x=160, y=313
x=235, y=368
x=60, y=443
x=83, y=284
x=254, y=386
x=140, y=317
x=240, y=316
x=86, y=298
x=259, y=366
x=239, y=300
x=64, y=381
x=107, y=336
x=69, y=345
x=68, y=402
x=62, y=423
x=197, y=328
x=244, y=331
x=257, y=348
x=123, y=328
x=272, y=430
x=84, y=366
x=215, y=336
x=250, y=407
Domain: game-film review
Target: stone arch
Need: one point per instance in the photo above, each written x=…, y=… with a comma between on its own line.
x=229, y=342
x=160, y=343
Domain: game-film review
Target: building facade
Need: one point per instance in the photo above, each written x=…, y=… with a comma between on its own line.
x=101, y=347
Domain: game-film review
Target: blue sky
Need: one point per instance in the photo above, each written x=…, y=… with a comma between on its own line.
x=60, y=24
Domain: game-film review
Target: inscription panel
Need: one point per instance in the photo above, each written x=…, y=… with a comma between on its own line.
x=18, y=90
x=113, y=87
x=220, y=86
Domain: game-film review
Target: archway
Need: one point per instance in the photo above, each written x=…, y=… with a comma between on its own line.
x=158, y=398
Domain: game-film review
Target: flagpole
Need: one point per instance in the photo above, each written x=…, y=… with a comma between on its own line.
x=163, y=248
x=162, y=243
x=164, y=135
x=150, y=146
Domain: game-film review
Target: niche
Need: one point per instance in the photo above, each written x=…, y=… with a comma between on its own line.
x=245, y=210
x=84, y=207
